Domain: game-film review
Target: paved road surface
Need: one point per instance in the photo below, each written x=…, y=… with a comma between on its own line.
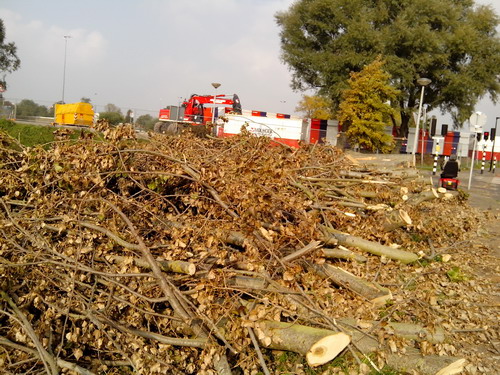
x=485, y=188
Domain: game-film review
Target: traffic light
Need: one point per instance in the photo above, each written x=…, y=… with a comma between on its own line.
x=493, y=133
x=444, y=129
x=486, y=135
x=433, y=126
x=478, y=135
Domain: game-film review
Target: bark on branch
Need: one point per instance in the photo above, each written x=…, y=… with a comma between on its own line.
x=396, y=219
x=343, y=253
x=371, y=247
x=373, y=292
x=318, y=345
x=176, y=266
x=423, y=196
x=412, y=360
x=313, y=245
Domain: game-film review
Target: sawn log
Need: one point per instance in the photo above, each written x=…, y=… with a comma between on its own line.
x=373, y=292
x=369, y=246
x=318, y=345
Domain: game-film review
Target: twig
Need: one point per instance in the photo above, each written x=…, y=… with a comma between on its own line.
x=109, y=234
x=60, y=362
x=313, y=245
x=259, y=353
x=306, y=191
x=195, y=175
x=194, y=343
x=315, y=179
x=47, y=359
x=170, y=291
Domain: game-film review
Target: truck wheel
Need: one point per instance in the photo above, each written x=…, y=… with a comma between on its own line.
x=174, y=129
x=158, y=127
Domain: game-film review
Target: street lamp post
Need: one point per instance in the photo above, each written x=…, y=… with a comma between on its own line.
x=422, y=82
x=493, y=146
x=215, y=86
x=422, y=139
x=66, y=37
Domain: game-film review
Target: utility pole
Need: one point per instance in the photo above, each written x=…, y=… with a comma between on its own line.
x=215, y=86
x=66, y=37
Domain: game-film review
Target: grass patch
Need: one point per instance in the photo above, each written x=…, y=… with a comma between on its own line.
x=28, y=135
x=456, y=275
x=36, y=135
x=288, y=363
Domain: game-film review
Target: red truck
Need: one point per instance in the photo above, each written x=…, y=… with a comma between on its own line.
x=194, y=112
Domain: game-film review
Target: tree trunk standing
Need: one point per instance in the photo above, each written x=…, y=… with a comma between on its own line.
x=406, y=115
x=404, y=127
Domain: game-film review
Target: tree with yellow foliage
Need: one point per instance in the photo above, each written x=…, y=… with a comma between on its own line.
x=365, y=109
x=315, y=106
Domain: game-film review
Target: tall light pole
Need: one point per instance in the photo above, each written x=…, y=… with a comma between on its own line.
x=216, y=86
x=66, y=37
x=422, y=139
x=422, y=82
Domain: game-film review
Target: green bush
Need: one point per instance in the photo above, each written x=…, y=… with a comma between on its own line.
x=146, y=122
x=114, y=118
x=34, y=135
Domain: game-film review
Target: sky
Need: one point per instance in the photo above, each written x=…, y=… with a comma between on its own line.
x=147, y=54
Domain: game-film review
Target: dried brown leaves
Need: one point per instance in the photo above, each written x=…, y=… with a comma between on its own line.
x=233, y=208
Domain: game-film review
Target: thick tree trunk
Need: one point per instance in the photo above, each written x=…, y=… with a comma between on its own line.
x=318, y=345
x=403, y=128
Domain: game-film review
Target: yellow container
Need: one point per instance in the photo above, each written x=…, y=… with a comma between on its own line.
x=74, y=114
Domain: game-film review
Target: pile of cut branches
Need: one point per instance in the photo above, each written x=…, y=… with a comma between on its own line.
x=199, y=255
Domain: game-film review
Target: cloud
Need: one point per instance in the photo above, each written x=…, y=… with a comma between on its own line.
x=148, y=54
x=46, y=42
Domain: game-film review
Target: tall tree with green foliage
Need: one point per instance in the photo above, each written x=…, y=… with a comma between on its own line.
x=114, y=118
x=453, y=43
x=315, y=107
x=9, y=61
x=146, y=122
x=28, y=107
x=365, y=109
x=112, y=108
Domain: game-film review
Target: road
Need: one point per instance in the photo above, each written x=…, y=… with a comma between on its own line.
x=485, y=188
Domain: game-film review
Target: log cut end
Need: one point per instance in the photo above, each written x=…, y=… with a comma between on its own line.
x=382, y=300
x=454, y=368
x=396, y=219
x=327, y=349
